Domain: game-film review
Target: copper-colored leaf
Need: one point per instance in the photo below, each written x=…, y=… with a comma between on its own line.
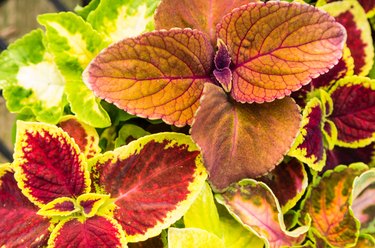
x=158, y=75
x=242, y=140
x=278, y=47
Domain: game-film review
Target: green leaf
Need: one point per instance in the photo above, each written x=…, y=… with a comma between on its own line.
x=85, y=11
x=121, y=19
x=85, y=105
x=193, y=238
x=129, y=132
x=203, y=213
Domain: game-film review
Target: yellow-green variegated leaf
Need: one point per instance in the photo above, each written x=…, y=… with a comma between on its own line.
x=62, y=206
x=90, y=203
x=120, y=19
x=30, y=79
x=74, y=43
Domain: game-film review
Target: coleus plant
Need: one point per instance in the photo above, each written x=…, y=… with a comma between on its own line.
x=69, y=200
x=225, y=68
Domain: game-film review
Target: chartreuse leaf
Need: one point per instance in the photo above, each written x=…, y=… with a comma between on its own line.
x=153, y=181
x=98, y=231
x=123, y=18
x=20, y=225
x=309, y=145
x=203, y=214
x=288, y=181
x=195, y=14
x=129, y=132
x=48, y=164
x=30, y=79
x=365, y=241
x=85, y=136
x=271, y=53
x=74, y=44
x=193, y=238
x=352, y=16
x=158, y=75
x=62, y=206
x=229, y=133
x=328, y=202
x=363, y=200
x=256, y=207
x=86, y=10
x=354, y=111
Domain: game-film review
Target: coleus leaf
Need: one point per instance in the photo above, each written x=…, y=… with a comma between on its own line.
x=354, y=111
x=128, y=133
x=367, y=5
x=20, y=225
x=62, y=206
x=85, y=136
x=90, y=203
x=328, y=202
x=31, y=81
x=365, y=241
x=346, y=156
x=280, y=58
x=309, y=145
x=152, y=180
x=288, y=181
x=363, y=201
x=352, y=16
x=256, y=207
x=48, y=164
x=123, y=18
x=86, y=10
x=193, y=238
x=98, y=231
x=345, y=67
x=74, y=44
x=229, y=133
x=158, y=75
x=195, y=14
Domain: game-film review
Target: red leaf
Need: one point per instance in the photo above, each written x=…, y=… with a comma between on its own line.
x=229, y=133
x=20, y=226
x=354, y=111
x=158, y=75
x=196, y=14
x=153, y=181
x=48, y=163
x=271, y=53
x=97, y=231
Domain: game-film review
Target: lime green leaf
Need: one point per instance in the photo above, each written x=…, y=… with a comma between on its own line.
x=121, y=19
x=203, y=213
x=85, y=11
x=85, y=105
x=192, y=238
x=129, y=132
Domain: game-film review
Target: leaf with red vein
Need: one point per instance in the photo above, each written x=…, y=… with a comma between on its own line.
x=347, y=156
x=20, y=226
x=158, y=75
x=271, y=53
x=48, y=164
x=309, y=145
x=91, y=202
x=195, y=14
x=230, y=133
x=85, y=136
x=98, y=231
x=367, y=5
x=288, y=181
x=153, y=181
x=62, y=206
x=345, y=67
x=354, y=111
x=352, y=16
x=256, y=207
x=328, y=204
